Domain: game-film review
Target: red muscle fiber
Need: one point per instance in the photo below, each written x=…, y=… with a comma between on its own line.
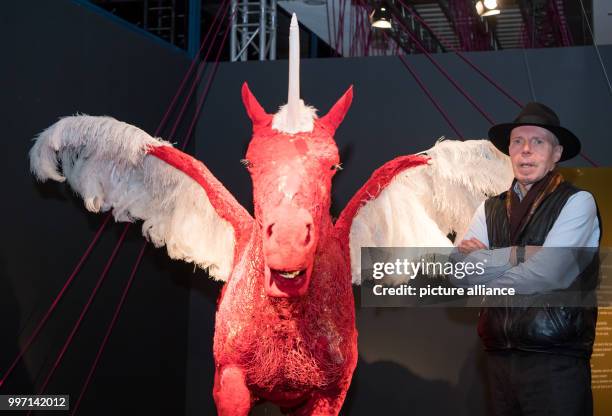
x=285, y=324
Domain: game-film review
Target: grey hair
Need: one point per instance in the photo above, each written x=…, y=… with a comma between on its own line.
x=554, y=137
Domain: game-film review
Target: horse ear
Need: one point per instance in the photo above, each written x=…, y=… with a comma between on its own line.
x=255, y=111
x=335, y=116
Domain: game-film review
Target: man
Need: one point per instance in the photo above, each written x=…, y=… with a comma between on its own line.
x=537, y=357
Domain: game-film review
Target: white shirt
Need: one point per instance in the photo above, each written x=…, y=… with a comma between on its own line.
x=576, y=226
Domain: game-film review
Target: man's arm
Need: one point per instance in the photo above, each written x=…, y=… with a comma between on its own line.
x=543, y=270
x=560, y=262
x=577, y=224
x=474, y=248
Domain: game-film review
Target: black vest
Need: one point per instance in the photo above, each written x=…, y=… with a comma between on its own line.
x=559, y=330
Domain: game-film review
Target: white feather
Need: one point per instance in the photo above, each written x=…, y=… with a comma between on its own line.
x=105, y=161
x=422, y=205
x=305, y=122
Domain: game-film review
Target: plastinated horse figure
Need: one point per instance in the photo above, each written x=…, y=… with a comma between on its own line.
x=285, y=323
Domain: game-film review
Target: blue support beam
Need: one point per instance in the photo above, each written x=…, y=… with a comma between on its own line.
x=193, y=35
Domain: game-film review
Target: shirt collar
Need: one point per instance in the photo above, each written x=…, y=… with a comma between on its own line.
x=517, y=190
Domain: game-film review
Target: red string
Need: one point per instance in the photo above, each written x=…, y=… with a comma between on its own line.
x=187, y=74
x=205, y=93
x=479, y=71
x=433, y=100
x=56, y=300
x=110, y=328
x=128, y=285
x=588, y=159
x=105, y=221
x=448, y=46
x=199, y=73
x=448, y=76
x=428, y=93
x=77, y=325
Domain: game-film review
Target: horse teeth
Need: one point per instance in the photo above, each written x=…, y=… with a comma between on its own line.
x=290, y=275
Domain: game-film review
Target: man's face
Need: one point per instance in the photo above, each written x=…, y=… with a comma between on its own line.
x=534, y=152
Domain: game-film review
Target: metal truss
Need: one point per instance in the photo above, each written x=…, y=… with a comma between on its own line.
x=253, y=33
x=545, y=23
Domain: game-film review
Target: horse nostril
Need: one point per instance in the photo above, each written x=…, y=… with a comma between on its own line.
x=308, y=230
x=269, y=230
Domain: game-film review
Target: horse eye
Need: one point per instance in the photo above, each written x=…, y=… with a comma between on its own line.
x=337, y=166
x=246, y=163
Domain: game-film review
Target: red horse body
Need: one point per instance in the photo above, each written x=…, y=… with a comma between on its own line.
x=285, y=325
x=291, y=341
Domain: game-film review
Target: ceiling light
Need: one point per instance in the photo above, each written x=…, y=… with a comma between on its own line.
x=381, y=17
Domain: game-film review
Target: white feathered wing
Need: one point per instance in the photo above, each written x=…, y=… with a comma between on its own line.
x=422, y=205
x=106, y=162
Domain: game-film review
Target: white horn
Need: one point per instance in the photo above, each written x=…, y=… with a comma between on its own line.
x=293, y=99
x=294, y=117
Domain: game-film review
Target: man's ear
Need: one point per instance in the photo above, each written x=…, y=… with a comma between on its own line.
x=558, y=151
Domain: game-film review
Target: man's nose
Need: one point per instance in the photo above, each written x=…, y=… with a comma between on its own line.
x=526, y=148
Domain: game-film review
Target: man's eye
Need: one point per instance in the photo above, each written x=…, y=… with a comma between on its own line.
x=336, y=167
x=246, y=163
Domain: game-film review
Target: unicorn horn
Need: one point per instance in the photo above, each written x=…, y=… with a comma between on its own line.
x=293, y=99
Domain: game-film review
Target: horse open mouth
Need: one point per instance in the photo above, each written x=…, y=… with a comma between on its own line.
x=287, y=283
x=287, y=274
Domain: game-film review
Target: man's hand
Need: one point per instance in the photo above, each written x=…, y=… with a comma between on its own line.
x=472, y=244
x=529, y=252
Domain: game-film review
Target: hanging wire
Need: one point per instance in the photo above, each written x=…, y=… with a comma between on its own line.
x=450, y=47
x=201, y=68
x=423, y=87
x=204, y=94
x=55, y=302
x=136, y=265
x=109, y=329
x=601, y=62
x=84, y=311
x=431, y=97
x=105, y=221
x=446, y=74
x=529, y=78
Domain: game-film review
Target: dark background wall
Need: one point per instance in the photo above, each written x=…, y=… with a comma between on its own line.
x=61, y=58
x=412, y=361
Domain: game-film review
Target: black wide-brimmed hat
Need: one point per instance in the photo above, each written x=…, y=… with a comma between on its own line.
x=536, y=114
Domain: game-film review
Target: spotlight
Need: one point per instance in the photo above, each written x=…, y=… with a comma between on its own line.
x=487, y=8
x=381, y=17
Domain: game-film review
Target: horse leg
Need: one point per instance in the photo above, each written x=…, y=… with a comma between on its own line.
x=231, y=393
x=322, y=404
